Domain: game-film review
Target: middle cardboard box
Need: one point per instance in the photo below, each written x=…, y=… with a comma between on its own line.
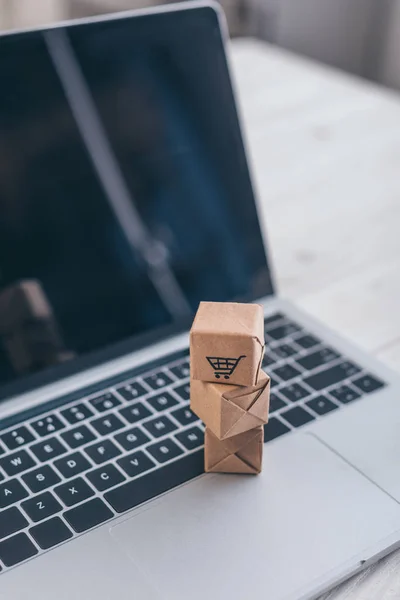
x=228, y=410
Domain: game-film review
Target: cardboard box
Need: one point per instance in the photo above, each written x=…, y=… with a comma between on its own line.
x=22, y=302
x=227, y=343
x=228, y=410
x=239, y=454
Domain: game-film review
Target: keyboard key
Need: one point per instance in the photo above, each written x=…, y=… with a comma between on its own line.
x=132, y=438
x=105, y=477
x=191, y=438
x=51, y=448
x=50, y=533
x=273, y=318
x=275, y=403
x=74, y=491
x=41, y=478
x=350, y=368
x=47, y=425
x=183, y=391
x=78, y=436
x=307, y=341
x=182, y=370
x=284, y=351
x=135, y=413
x=102, y=451
x=105, y=402
x=107, y=424
x=152, y=484
x=131, y=391
x=294, y=392
x=344, y=394
x=269, y=359
x=318, y=358
x=17, y=462
x=42, y=506
x=17, y=437
x=88, y=515
x=77, y=413
x=331, y=375
x=185, y=416
x=160, y=426
x=11, y=521
x=72, y=464
x=158, y=380
x=274, y=428
x=135, y=463
x=297, y=416
x=165, y=450
x=286, y=372
x=16, y=549
x=283, y=330
x=321, y=405
x=162, y=401
x=10, y=492
x=368, y=383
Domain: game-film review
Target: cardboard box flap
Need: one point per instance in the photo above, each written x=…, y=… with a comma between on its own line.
x=259, y=410
x=248, y=418
x=248, y=454
x=233, y=464
x=231, y=415
x=247, y=396
x=241, y=398
x=234, y=444
x=245, y=423
x=241, y=454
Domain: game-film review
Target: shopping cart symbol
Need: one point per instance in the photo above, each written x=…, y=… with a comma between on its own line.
x=224, y=366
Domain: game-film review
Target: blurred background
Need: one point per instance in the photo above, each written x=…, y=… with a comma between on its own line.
x=359, y=36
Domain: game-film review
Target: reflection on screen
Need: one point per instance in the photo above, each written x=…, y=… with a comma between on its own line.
x=124, y=192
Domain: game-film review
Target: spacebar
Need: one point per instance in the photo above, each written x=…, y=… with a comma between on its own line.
x=155, y=483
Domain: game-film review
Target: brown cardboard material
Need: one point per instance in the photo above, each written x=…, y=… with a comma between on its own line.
x=227, y=343
x=239, y=454
x=228, y=410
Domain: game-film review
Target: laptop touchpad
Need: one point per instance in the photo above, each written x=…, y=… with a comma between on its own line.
x=369, y=438
x=227, y=536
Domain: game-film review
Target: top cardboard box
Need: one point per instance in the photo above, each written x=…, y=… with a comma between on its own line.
x=227, y=343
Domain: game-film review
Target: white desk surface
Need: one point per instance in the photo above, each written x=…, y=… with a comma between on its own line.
x=325, y=157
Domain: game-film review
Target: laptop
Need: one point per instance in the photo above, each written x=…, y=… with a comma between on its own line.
x=126, y=200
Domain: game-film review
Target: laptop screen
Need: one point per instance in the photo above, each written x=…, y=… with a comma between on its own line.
x=125, y=196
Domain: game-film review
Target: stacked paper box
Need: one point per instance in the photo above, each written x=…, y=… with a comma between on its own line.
x=228, y=390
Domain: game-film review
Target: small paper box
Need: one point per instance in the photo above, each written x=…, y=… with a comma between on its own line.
x=228, y=410
x=239, y=454
x=227, y=343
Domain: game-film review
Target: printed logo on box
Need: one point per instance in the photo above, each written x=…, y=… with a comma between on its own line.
x=224, y=367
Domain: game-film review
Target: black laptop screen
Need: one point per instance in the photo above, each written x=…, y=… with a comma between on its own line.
x=124, y=191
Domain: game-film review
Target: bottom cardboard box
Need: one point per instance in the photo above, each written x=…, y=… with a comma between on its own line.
x=239, y=454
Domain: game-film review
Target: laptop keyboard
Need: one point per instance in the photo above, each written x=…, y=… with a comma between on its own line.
x=87, y=459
